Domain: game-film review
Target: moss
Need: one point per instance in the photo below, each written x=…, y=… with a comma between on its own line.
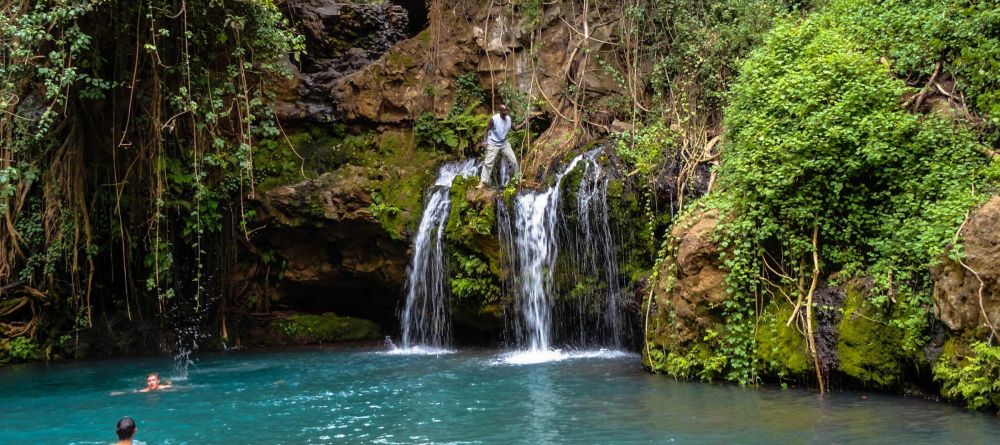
x=869, y=348
x=781, y=349
x=305, y=152
x=402, y=172
x=324, y=328
x=472, y=222
x=424, y=37
x=398, y=60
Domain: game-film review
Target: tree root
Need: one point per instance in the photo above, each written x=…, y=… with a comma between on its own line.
x=809, y=306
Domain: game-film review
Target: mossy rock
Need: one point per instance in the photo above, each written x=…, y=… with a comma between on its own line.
x=472, y=222
x=402, y=173
x=870, y=349
x=322, y=328
x=781, y=349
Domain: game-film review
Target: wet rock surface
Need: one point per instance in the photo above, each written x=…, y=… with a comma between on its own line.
x=348, y=262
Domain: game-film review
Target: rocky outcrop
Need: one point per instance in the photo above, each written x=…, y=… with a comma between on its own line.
x=340, y=241
x=335, y=255
x=691, y=284
x=957, y=287
x=493, y=41
x=340, y=39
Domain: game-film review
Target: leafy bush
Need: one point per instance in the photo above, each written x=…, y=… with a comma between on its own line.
x=916, y=34
x=471, y=279
x=646, y=148
x=817, y=139
x=458, y=130
x=974, y=378
x=21, y=348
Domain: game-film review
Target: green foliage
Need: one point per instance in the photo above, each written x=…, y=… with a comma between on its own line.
x=701, y=44
x=381, y=209
x=130, y=147
x=19, y=348
x=468, y=92
x=462, y=127
x=646, y=148
x=697, y=362
x=530, y=12
x=458, y=131
x=914, y=35
x=471, y=278
x=817, y=139
x=972, y=376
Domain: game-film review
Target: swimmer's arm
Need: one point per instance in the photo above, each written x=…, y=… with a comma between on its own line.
x=119, y=393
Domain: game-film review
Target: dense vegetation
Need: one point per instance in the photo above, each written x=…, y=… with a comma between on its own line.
x=130, y=131
x=834, y=170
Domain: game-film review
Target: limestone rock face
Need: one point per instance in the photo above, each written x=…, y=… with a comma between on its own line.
x=418, y=75
x=956, y=289
x=691, y=282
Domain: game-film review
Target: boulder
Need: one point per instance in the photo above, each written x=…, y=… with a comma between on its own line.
x=691, y=282
x=956, y=288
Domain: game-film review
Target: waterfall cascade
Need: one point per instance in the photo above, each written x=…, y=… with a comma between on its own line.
x=532, y=234
x=539, y=228
x=425, y=314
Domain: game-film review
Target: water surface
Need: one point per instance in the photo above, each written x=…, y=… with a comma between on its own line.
x=468, y=397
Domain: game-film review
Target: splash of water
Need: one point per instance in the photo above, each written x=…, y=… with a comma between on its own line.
x=424, y=319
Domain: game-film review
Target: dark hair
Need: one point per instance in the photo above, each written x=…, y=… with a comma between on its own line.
x=126, y=428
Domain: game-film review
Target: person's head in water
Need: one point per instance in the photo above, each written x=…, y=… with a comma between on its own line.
x=152, y=381
x=125, y=429
x=503, y=111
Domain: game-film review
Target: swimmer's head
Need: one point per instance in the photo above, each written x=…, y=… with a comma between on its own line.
x=152, y=380
x=126, y=428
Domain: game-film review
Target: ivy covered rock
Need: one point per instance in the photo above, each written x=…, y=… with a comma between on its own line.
x=689, y=291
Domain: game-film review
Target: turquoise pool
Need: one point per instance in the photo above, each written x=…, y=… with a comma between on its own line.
x=324, y=396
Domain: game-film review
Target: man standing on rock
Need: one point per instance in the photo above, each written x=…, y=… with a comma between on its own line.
x=495, y=141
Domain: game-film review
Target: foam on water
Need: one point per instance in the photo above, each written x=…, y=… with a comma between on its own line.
x=556, y=355
x=418, y=350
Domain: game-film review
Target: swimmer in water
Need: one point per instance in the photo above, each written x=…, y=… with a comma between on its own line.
x=125, y=430
x=153, y=383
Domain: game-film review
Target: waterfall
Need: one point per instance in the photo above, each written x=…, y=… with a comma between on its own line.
x=538, y=221
x=424, y=317
x=595, y=256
